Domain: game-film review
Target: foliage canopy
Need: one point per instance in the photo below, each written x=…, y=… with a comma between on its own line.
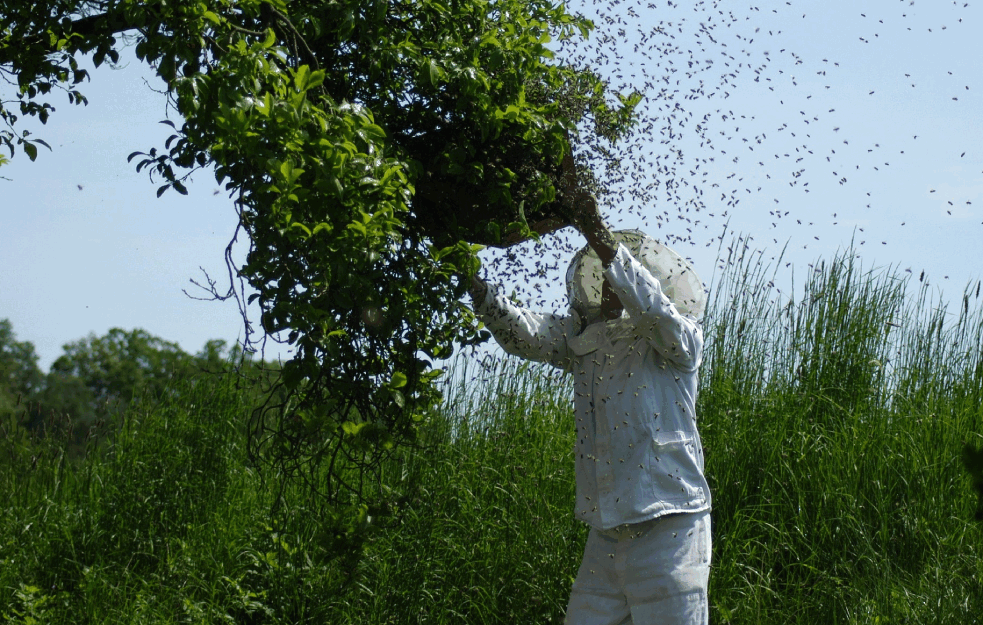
x=370, y=147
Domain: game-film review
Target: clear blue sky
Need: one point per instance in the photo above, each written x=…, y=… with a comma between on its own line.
x=86, y=246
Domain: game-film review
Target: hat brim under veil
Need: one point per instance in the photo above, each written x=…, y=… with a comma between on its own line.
x=680, y=283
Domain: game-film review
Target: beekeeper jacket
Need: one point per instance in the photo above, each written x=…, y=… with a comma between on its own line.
x=638, y=453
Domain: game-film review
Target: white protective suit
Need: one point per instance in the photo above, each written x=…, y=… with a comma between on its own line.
x=638, y=454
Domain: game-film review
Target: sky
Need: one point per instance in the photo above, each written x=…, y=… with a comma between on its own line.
x=85, y=244
x=863, y=125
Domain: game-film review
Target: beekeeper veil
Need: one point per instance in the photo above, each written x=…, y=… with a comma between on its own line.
x=679, y=281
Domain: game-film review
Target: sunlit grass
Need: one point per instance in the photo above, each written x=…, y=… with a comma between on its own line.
x=833, y=427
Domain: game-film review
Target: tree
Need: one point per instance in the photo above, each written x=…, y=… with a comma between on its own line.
x=20, y=376
x=369, y=146
x=98, y=378
x=112, y=370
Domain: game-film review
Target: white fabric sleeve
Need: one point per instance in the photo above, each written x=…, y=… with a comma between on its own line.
x=520, y=332
x=678, y=338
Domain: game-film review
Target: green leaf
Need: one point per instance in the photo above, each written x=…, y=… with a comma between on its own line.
x=432, y=73
x=301, y=77
x=290, y=172
x=372, y=133
x=315, y=79
x=353, y=429
x=31, y=150
x=398, y=398
x=398, y=380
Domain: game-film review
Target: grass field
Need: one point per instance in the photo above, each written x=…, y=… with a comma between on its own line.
x=833, y=428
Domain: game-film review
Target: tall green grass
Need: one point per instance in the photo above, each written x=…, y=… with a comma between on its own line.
x=833, y=427
x=833, y=424
x=491, y=537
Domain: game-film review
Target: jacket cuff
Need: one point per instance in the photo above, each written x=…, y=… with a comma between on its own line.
x=487, y=305
x=621, y=257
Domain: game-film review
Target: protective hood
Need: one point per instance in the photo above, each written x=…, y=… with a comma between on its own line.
x=679, y=281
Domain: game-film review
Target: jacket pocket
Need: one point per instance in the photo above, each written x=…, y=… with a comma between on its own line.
x=674, y=469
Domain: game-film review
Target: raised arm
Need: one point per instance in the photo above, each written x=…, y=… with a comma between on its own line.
x=520, y=332
x=678, y=338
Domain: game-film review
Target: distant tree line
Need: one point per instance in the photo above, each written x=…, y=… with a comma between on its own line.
x=97, y=378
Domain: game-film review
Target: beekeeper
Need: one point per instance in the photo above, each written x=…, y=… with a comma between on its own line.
x=633, y=342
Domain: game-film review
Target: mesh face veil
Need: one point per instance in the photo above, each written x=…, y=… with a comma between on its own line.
x=679, y=281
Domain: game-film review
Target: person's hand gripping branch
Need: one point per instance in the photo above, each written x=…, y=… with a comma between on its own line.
x=584, y=213
x=478, y=289
x=586, y=217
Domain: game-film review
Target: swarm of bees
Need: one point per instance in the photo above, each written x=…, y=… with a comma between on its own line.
x=712, y=75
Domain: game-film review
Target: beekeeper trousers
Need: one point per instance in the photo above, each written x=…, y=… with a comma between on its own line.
x=651, y=573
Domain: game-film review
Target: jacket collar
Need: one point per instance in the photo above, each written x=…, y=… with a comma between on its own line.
x=601, y=334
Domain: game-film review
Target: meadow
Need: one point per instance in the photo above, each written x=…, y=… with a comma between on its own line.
x=833, y=419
